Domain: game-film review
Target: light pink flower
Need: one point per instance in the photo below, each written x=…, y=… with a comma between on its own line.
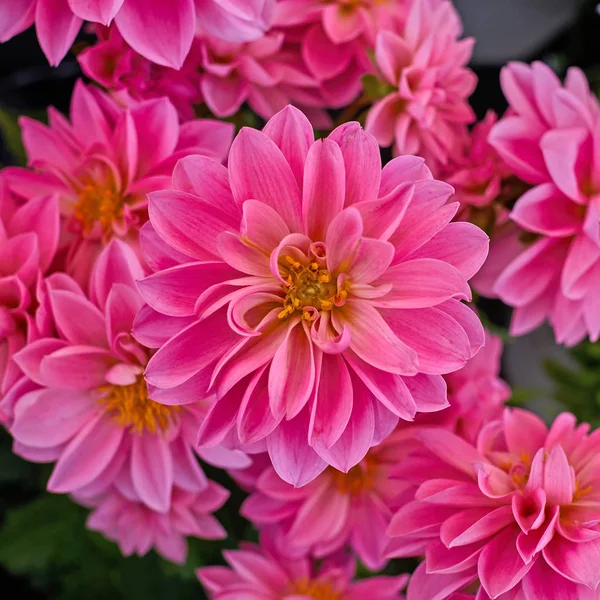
x=137, y=528
x=548, y=140
x=102, y=165
x=519, y=511
x=326, y=292
x=476, y=393
x=426, y=111
x=92, y=413
x=262, y=573
x=336, y=509
x=161, y=32
x=28, y=240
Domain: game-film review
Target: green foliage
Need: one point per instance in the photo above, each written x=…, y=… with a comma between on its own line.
x=11, y=133
x=578, y=386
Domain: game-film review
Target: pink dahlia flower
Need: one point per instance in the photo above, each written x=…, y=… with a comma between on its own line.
x=549, y=142
x=426, y=111
x=336, y=509
x=137, y=528
x=261, y=573
x=28, y=240
x=326, y=292
x=162, y=32
x=519, y=511
x=92, y=413
x=102, y=165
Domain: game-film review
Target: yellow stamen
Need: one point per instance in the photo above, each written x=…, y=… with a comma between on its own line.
x=98, y=203
x=319, y=590
x=357, y=480
x=130, y=407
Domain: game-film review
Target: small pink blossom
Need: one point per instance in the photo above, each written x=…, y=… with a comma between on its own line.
x=102, y=164
x=336, y=509
x=92, y=412
x=28, y=240
x=325, y=293
x=137, y=528
x=160, y=31
x=548, y=140
x=426, y=110
x=262, y=573
x=519, y=510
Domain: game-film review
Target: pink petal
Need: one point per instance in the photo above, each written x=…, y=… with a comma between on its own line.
x=96, y=11
x=262, y=225
x=474, y=524
x=15, y=17
x=342, y=239
x=324, y=188
x=371, y=260
x=434, y=586
x=160, y=33
x=56, y=28
x=259, y=171
x=577, y=562
x=392, y=54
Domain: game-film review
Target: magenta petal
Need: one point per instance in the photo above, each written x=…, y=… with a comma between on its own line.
x=544, y=583
x=293, y=459
x=434, y=586
x=152, y=470
x=88, y=454
x=15, y=17
x=259, y=171
x=162, y=33
x=474, y=524
x=56, y=28
x=576, y=561
x=98, y=11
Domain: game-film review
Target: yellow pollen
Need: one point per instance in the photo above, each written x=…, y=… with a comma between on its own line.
x=319, y=590
x=100, y=204
x=130, y=407
x=309, y=286
x=357, y=480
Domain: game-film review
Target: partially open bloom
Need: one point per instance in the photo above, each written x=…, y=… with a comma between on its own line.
x=102, y=165
x=519, y=511
x=326, y=292
x=336, y=509
x=92, y=412
x=261, y=573
x=161, y=32
x=426, y=109
x=137, y=529
x=28, y=240
x=548, y=140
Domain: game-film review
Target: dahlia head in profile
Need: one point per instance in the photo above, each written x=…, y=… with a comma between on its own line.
x=161, y=32
x=263, y=573
x=518, y=512
x=326, y=293
x=137, y=529
x=426, y=110
x=102, y=164
x=551, y=270
x=90, y=410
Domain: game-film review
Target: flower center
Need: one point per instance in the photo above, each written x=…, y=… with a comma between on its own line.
x=98, y=203
x=130, y=407
x=519, y=471
x=310, y=286
x=319, y=590
x=357, y=480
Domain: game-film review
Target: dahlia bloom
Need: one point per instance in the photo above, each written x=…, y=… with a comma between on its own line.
x=102, y=165
x=326, y=292
x=336, y=509
x=92, y=413
x=519, y=511
x=161, y=32
x=28, y=241
x=426, y=111
x=548, y=141
x=261, y=573
x=137, y=529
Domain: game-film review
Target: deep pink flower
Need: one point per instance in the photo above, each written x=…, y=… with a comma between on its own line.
x=160, y=31
x=548, y=140
x=92, y=413
x=102, y=165
x=336, y=509
x=426, y=111
x=520, y=510
x=137, y=528
x=262, y=573
x=326, y=292
x=28, y=240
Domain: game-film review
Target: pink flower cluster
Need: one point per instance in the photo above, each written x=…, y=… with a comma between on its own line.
x=287, y=308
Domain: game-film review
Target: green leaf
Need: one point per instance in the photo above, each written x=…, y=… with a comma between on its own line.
x=11, y=132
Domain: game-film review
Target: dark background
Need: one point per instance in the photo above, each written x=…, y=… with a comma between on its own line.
x=45, y=551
